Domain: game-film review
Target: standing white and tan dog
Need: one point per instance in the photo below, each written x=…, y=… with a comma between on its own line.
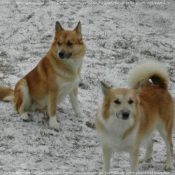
x=55, y=77
x=127, y=117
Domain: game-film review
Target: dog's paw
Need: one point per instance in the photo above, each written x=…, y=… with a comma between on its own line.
x=54, y=126
x=79, y=114
x=143, y=159
x=25, y=116
x=168, y=167
x=82, y=117
x=53, y=123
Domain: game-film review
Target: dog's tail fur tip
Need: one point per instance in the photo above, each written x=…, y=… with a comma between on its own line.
x=148, y=73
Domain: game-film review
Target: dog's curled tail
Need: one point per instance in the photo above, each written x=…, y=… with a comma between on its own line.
x=148, y=73
x=6, y=94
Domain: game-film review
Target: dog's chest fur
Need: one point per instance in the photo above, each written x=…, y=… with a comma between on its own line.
x=66, y=88
x=113, y=133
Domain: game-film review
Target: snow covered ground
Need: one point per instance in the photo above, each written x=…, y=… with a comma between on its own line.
x=118, y=35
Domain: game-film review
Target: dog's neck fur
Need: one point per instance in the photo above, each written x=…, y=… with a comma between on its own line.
x=69, y=68
x=75, y=64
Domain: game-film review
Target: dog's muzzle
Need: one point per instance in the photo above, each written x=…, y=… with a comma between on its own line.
x=63, y=55
x=124, y=115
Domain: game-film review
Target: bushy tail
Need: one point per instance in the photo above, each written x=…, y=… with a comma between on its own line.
x=147, y=73
x=6, y=94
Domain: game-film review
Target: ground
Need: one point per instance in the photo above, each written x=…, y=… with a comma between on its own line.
x=118, y=35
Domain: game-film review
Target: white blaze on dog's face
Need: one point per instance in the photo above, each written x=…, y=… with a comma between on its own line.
x=68, y=44
x=120, y=103
x=123, y=104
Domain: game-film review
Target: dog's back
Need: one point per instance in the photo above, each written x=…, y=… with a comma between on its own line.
x=151, y=79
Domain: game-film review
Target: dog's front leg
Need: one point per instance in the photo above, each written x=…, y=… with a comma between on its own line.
x=134, y=159
x=107, y=153
x=52, y=108
x=74, y=101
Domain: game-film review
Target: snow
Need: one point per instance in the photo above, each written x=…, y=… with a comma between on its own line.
x=118, y=35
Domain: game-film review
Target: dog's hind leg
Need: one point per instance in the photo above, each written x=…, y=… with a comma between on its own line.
x=149, y=149
x=167, y=137
x=22, y=98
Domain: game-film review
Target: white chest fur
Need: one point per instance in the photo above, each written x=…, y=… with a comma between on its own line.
x=66, y=88
x=114, y=131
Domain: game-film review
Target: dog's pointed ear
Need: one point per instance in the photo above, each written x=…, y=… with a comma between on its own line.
x=58, y=27
x=78, y=29
x=105, y=89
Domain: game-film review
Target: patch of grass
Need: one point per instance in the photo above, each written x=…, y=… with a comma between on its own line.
x=26, y=18
x=3, y=54
x=90, y=125
x=83, y=85
x=6, y=69
x=125, y=43
x=22, y=58
x=10, y=137
x=148, y=52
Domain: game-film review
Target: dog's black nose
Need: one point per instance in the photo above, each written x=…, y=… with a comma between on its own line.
x=61, y=54
x=125, y=115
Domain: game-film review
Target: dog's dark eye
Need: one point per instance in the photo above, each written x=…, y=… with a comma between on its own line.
x=69, y=43
x=59, y=43
x=117, y=101
x=130, y=101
